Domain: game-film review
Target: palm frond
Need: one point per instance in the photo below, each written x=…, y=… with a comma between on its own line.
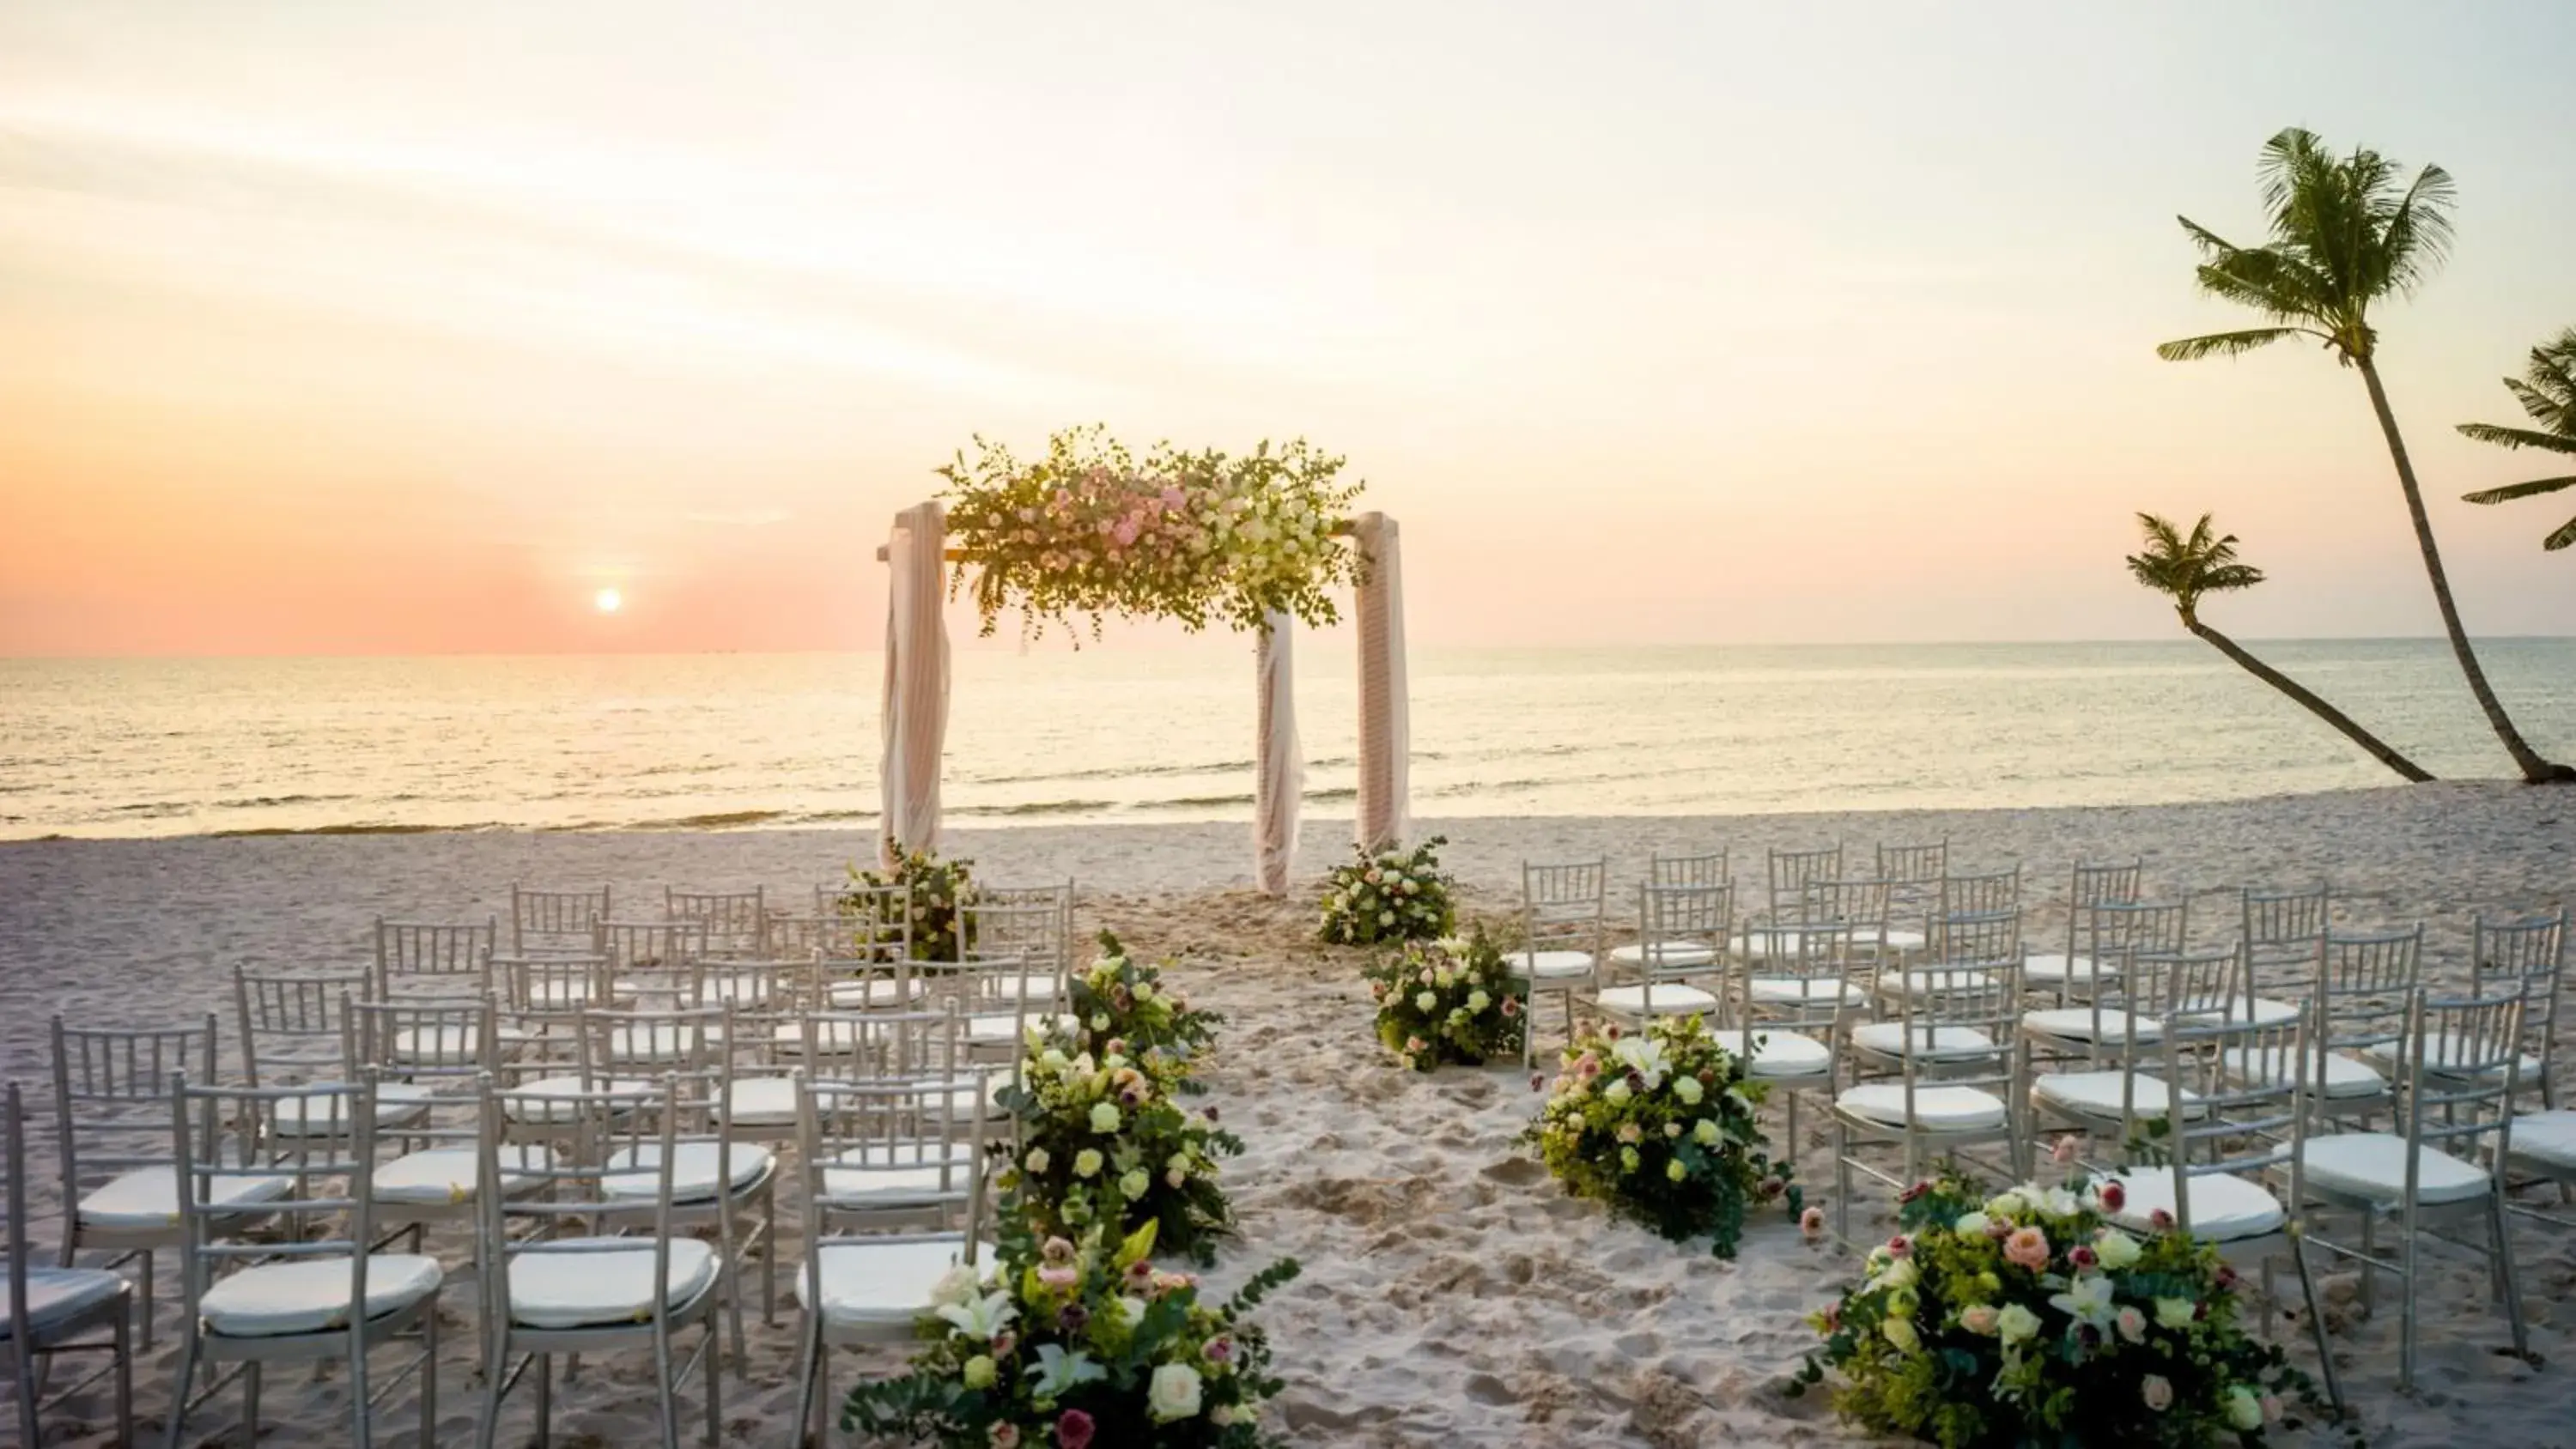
x=2417, y=238
x=2565, y=535
x=2504, y=437
x=2512, y=491
x=2227, y=344
x=2544, y=408
x=2230, y=576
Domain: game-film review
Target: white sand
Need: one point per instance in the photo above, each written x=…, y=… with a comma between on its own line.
x=1452, y=1296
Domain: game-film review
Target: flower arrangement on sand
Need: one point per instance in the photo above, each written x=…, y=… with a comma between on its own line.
x=1091, y=530
x=1104, y=1143
x=1120, y=999
x=1080, y=1342
x=1448, y=1001
x=1660, y=1125
x=2028, y=1318
x=936, y=888
x=1394, y=896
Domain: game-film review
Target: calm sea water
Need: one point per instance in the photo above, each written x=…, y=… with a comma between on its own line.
x=159, y=747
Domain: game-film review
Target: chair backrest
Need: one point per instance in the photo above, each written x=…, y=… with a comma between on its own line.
x=442, y=1042
x=860, y=1046
x=552, y=984
x=2107, y=932
x=2285, y=919
x=112, y=1092
x=1945, y=1012
x=440, y=958
x=876, y=920
x=2250, y=1086
x=807, y=938
x=1031, y=932
x=1788, y=873
x=657, y=957
x=890, y=1153
x=2160, y=986
x=1859, y=906
x=1921, y=864
x=1710, y=869
x=569, y=1206
x=629, y=1044
x=290, y=1024
x=556, y=920
x=2532, y=953
x=2109, y=883
x=2463, y=1066
x=1565, y=904
x=1975, y=941
x=1985, y=894
x=1682, y=931
x=733, y=921
x=2365, y=984
x=323, y=1154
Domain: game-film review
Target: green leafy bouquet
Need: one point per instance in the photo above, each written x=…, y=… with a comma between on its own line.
x=1119, y=999
x=1089, y=530
x=1660, y=1125
x=1075, y=1344
x=1104, y=1143
x=1448, y=1001
x=937, y=890
x=2028, y=1318
x=1395, y=896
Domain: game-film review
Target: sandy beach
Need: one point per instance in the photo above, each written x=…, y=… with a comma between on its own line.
x=1452, y=1296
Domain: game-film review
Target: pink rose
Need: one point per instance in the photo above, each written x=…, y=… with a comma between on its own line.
x=1511, y=1006
x=1980, y=1319
x=1812, y=1223
x=1898, y=1246
x=2160, y=1220
x=1219, y=1350
x=1006, y=1436
x=2156, y=1391
x=2114, y=1197
x=2027, y=1248
x=2064, y=1152
x=2082, y=1257
x=1073, y=1431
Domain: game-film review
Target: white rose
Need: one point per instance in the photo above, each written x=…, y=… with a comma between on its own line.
x=2116, y=1249
x=1174, y=1393
x=2016, y=1324
x=1900, y=1331
x=2176, y=1312
x=1426, y=1002
x=1386, y=918
x=2244, y=1409
x=1616, y=1092
x=1478, y=1001
x=1688, y=1089
x=1969, y=1225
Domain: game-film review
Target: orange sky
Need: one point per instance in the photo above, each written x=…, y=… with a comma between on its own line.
x=371, y=328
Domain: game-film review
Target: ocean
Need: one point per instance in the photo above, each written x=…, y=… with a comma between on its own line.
x=740, y=741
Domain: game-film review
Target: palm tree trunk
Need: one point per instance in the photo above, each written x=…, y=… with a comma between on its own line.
x=2528, y=760
x=2379, y=749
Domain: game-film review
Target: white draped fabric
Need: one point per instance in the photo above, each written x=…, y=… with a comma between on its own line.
x=916, y=683
x=1386, y=732
x=1280, y=783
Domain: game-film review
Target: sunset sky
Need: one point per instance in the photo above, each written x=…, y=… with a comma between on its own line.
x=356, y=327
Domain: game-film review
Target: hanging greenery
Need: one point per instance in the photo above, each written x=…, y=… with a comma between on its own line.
x=1090, y=531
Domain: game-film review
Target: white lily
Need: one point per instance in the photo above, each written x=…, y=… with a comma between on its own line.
x=1057, y=1371
x=2087, y=1300
x=979, y=1318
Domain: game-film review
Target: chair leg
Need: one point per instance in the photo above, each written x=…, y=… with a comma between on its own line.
x=123, y=1328
x=179, y=1395
x=769, y=1257
x=2369, y=1265
x=668, y=1393
x=144, y=1301
x=429, y=1374
x=1842, y=1185
x=496, y=1362
x=2502, y=1228
x=2316, y=1322
x=2406, y=1308
x=715, y=1393
x=809, y=1352
x=26, y=1386
x=250, y=1403
x=545, y=1401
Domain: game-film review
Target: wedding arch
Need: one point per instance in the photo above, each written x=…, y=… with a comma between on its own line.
x=1259, y=543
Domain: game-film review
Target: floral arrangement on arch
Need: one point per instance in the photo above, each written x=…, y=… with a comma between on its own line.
x=1105, y=1143
x=1118, y=999
x=1396, y=895
x=936, y=887
x=2028, y=1318
x=1660, y=1125
x=1090, y=530
x=1077, y=1344
x=1448, y=1001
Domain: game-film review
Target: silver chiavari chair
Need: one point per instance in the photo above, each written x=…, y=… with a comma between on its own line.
x=544, y=921
x=2073, y=973
x=735, y=923
x=435, y=958
x=1564, y=933
x=53, y=1312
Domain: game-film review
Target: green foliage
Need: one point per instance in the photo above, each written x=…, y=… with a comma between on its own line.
x=1119, y=1004
x=1080, y=1341
x=2027, y=1318
x=1660, y=1125
x=2345, y=232
x=1448, y=1001
x=935, y=889
x=1395, y=896
x=2547, y=392
x=1090, y=531
x=2185, y=567
x=1104, y=1142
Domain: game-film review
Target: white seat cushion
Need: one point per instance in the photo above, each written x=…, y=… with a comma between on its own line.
x=1936, y=1109
x=59, y=1295
x=1668, y=999
x=148, y=1197
x=660, y=1042
x=2546, y=1140
x=2339, y=1075
x=1548, y=965
x=882, y=1285
x=2053, y=967
x=1005, y=1027
x=311, y=1295
x=2265, y=1012
x=1035, y=990
x=439, y=1045
x=1805, y=990
x=1783, y=1054
x=740, y=988
x=696, y=1170
x=602, y=1282
x=2372, y=1166
x=2097, y=1095
x=398, y=1104
x=561, y=993
x=1932, y=1043
x=761, y=1102
x=2075, y=1023
x=2225, y=1208
x=1922, y=981
x=1900, y=938
x=446, y=1175
x=895, y=1179
x=875, y=991
x=1676, y=955
x=1790, y=941
x=965, y=1102
x=2445, y=1050
x=519, y=1108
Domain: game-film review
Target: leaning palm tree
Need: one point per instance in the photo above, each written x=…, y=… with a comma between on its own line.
x=2346, y=232
x=2184, y=567
x=2547, y=391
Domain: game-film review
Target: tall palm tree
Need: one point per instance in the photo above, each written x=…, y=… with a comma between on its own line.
x=2547, y=391
x=2346, y=232
x=2185, y=567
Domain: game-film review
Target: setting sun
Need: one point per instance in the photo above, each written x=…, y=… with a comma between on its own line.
x=608, y=600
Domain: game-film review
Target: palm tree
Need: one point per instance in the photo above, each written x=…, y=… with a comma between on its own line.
x=2184, y=568
x=2346, y=232
x=2547, y=391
